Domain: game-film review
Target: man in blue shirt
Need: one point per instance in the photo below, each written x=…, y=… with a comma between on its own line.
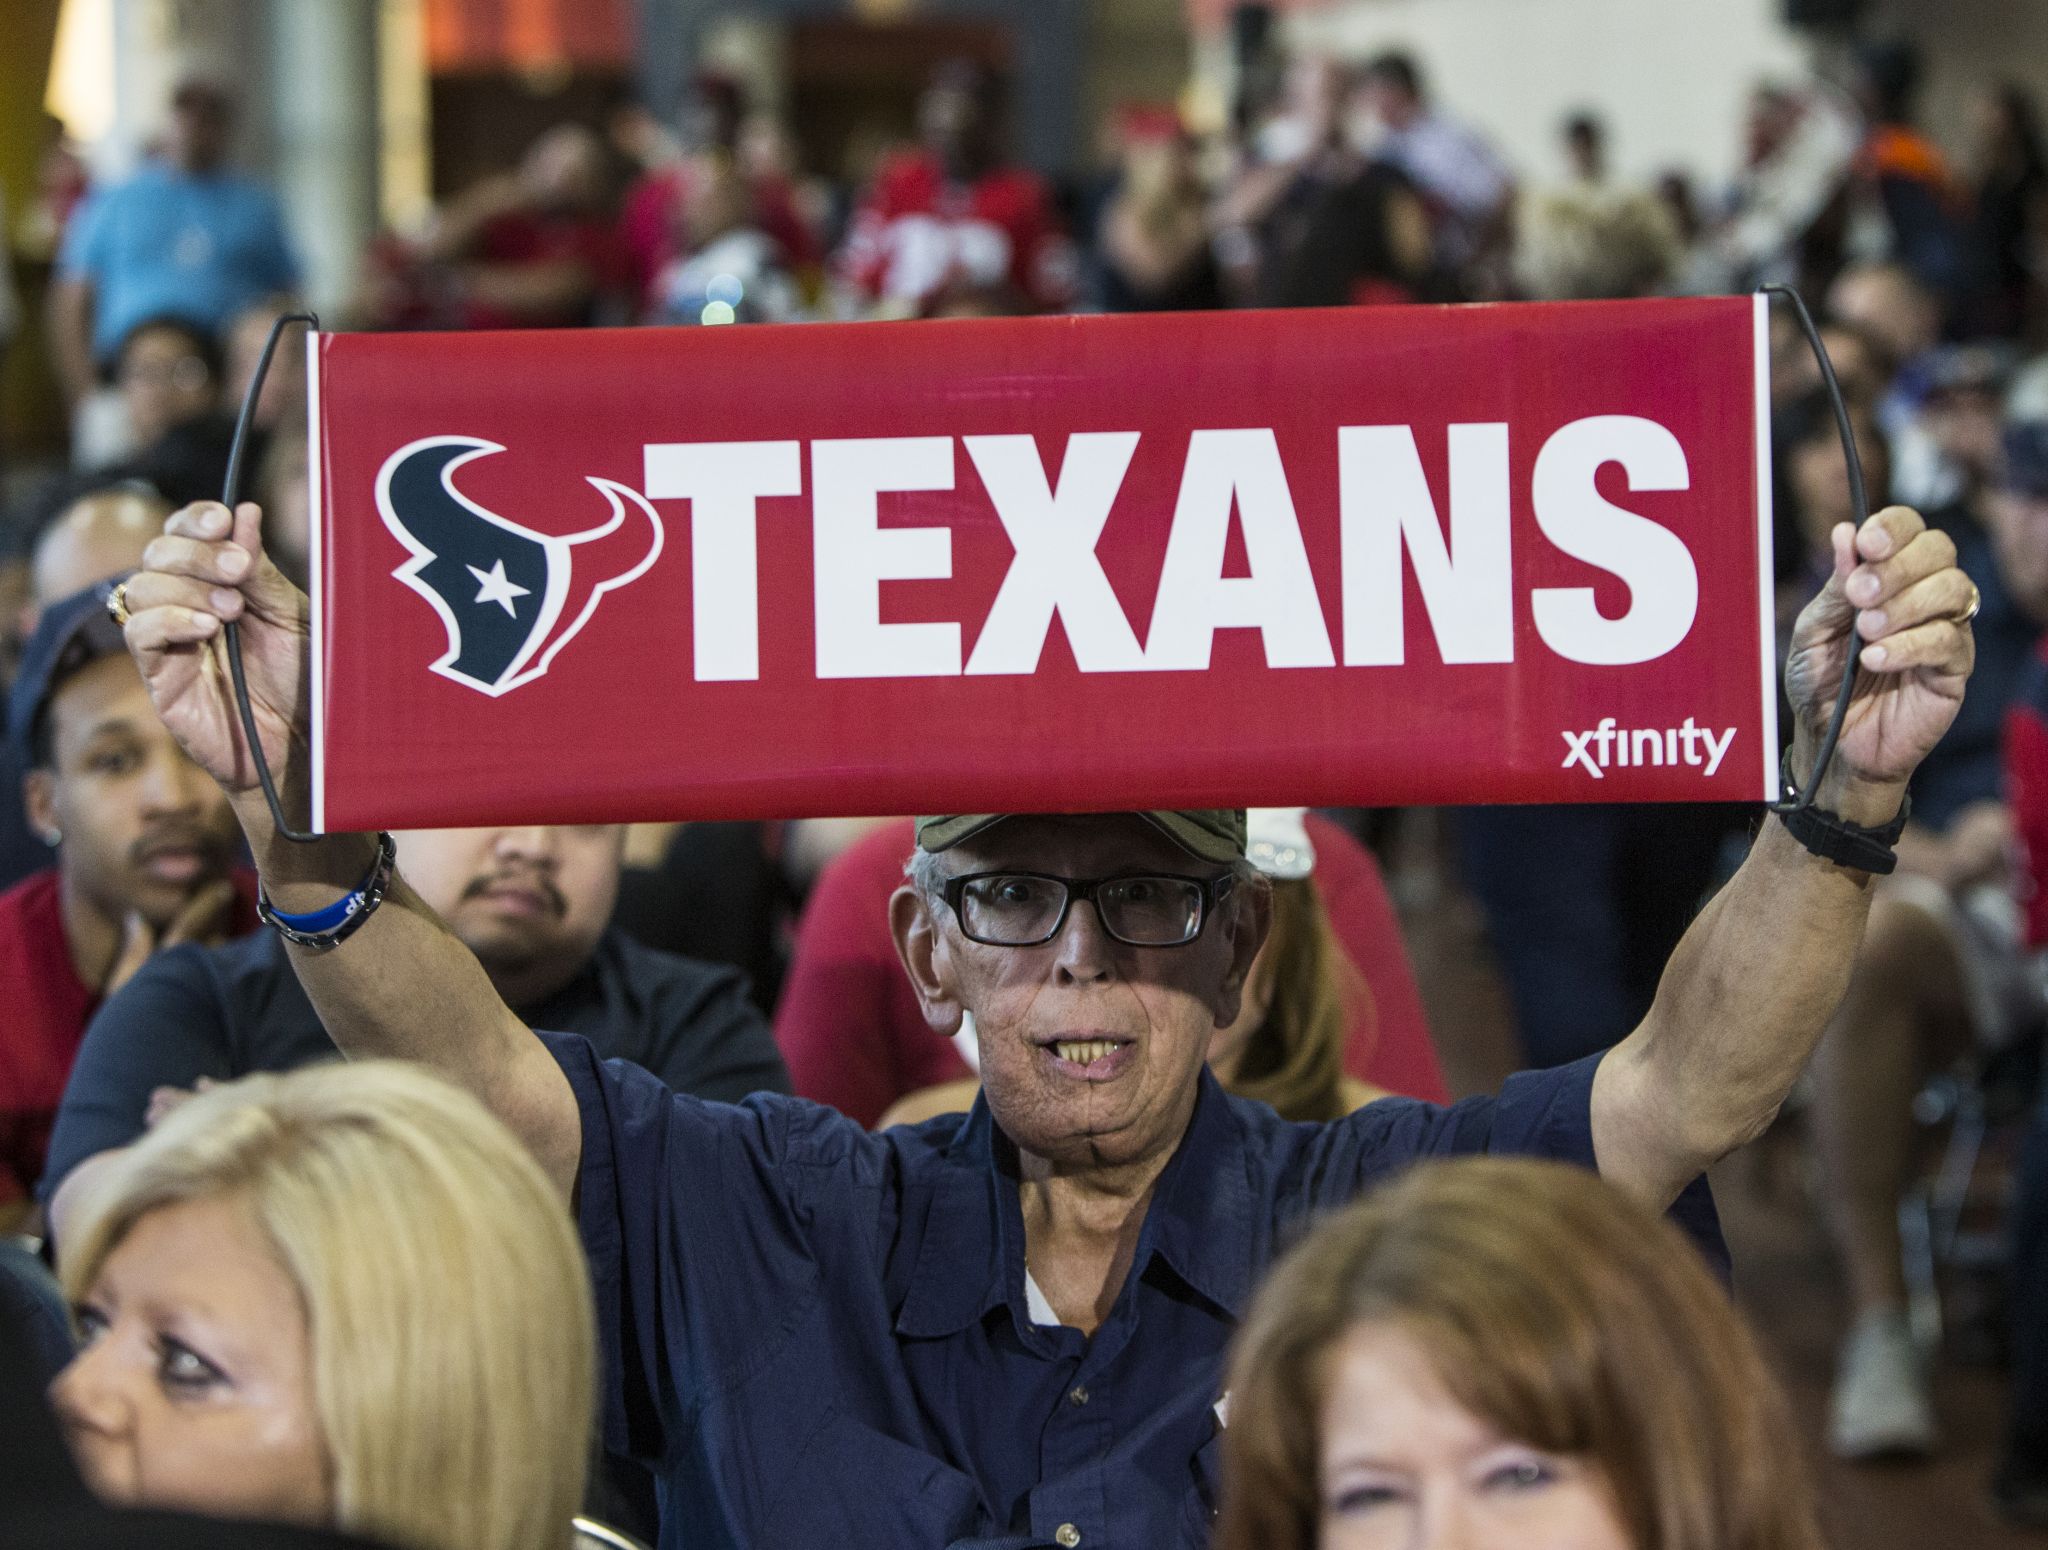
x=184, y=237
x=1008, y=1330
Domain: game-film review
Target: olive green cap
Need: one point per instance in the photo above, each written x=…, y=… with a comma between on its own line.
x=1207, y=833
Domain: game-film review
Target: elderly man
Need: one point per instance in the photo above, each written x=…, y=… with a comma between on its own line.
x=1009, y=1329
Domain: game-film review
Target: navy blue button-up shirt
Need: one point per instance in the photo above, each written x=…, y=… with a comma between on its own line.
x=818, y=1337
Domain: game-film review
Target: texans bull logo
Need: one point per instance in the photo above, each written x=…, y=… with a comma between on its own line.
x=503, y=590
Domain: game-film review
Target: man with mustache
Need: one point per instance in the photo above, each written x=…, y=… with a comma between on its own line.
x=532, y=904
x=144, y=847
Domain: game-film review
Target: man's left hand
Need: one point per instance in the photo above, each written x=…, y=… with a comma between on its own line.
x=1899, y=597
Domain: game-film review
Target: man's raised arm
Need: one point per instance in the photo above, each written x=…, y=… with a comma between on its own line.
x=1750, y=988
x=401, y=985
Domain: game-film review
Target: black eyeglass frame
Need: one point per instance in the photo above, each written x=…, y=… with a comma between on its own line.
x=1210, y=892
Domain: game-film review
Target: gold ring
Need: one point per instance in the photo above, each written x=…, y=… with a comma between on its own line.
x=1976, y=602
x=117, y=604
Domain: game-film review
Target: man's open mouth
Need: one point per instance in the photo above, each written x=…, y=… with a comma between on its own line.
x=1085, y=1050
x=1093, y=1058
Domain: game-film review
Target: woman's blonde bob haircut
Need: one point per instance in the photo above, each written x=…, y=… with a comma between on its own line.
x=1552, y=1307
x=446, y=1298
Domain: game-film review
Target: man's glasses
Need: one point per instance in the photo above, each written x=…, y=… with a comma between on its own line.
x=1027, y=909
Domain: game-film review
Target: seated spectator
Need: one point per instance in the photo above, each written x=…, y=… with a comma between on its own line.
x=284, y=390
x=1154, y=238
x=532, y=248
x=1901, y=187
x=44, y=1503
x=951, y=216
x=2008, y=212
x=98, y=534
x=655, y=218
x=1467, y=188
x=184, y=235
x=1302, y=1000
x=1502, y=1354
x=850, y=1027
x=1591, y=237
x=1344, y=228
x=1778, y=223
x=169, y=376
x=287, y=496
x=1904, y=318
x=144, y=850
x=1937, y=973
x=2020, y=530
x=168, y=371
x=2019, y=1484
x=712, y=891
x=1813, y=491
x=532, y=904
x=346, y=1298
x=97, y=531
x=733, y=270
x=1863, y=369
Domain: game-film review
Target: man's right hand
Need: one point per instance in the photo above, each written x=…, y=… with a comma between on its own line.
x=404, y=987
x=206, y=569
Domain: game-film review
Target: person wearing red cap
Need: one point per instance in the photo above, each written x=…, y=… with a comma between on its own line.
x=948, y=221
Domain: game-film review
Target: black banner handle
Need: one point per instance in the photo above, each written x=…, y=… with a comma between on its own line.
x=231, y=633
x=1859, y=502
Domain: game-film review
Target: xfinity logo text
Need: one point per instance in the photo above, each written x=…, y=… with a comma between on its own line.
x=1607, y=747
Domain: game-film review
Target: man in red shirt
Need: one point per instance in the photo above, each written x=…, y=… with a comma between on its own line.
x=854, y=1036
x=533, y=248
x=653, y=216
x=946, y=222
x=144, y=847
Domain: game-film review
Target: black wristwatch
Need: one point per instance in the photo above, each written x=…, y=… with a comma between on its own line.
x=1832, y=837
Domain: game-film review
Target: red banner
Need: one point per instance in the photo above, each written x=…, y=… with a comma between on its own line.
x=1374, y=556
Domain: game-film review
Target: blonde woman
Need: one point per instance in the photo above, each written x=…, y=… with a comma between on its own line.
x=1504, y=1354
x=344, y=1296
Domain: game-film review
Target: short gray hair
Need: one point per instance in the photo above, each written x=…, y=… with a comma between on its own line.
x=927, y=873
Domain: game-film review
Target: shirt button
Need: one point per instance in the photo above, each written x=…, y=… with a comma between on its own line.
x=1077, y=1395
x=1068, y=1535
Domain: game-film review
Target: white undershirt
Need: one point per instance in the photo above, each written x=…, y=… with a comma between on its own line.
x=1037, y=1305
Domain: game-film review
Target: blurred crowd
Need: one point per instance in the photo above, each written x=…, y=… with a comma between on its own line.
x=731, y=959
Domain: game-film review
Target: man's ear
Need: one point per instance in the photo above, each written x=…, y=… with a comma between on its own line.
x=1248, y=917
x=39, y=802
x=926, y=959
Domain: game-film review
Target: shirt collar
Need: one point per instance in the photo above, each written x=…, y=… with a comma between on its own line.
x=1200, y=1221
x=959, y=1274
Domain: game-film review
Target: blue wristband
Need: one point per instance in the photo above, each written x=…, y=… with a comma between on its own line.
x=324, y=929
x=322, y=920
